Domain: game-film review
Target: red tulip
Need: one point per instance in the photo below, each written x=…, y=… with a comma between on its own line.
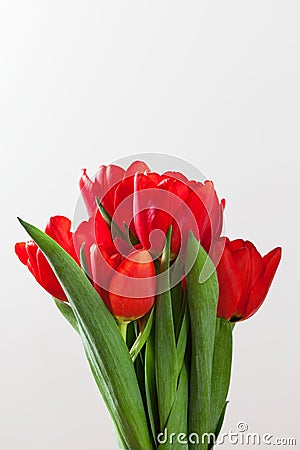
x=133, y=285
x=123, y=275
x=105, y=184
x=149, y=203
x=29, y=254
x=244, y=277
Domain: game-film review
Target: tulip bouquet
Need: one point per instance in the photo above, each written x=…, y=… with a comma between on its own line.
x=154, y=291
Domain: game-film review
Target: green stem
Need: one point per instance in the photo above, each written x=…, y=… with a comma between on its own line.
x=123, y=329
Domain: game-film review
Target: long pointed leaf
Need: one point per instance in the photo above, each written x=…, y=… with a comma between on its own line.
x=150, y=384
x=111, y=362
x=165, y=344
x=182, y=340
x=219, y=426
x=176, y=427
x=221, y=370
x=202, y=303
x=142, y=337
x=67, y=312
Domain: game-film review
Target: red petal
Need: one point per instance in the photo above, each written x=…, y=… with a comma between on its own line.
x=133, y=287
x=20, y=250
x=124, y=189
x=177, y=176
x=91, y=232
x=175, y=204
x=257, y=265
x=32, y=250
x=213, y=207
x=149, y=209
x=272, y=259
x=87, y=191
x=103, y=265
x=230, y=285
x=236, y=244
x=102, y=232
x=59, y=228
x=47, y=278
x=176, y=187
x=106, y=183
x=123, y=203
x=154, y=177
x=26, y=252
x=136, y=166
x=85, y=234
x=242, y=260
x=200, y=202
x=262, y=285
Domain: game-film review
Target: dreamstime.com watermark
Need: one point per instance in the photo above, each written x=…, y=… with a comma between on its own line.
x=239, y=437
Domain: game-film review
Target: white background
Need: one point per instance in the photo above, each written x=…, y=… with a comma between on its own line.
x=83, y=83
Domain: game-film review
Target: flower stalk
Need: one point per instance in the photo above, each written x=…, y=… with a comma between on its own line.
x=123, y=330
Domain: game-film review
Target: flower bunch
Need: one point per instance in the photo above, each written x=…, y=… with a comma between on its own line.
x=153, y=289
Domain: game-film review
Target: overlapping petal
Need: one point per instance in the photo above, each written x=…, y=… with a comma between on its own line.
x=148, y=203
x=59, y=228
x=244, y=278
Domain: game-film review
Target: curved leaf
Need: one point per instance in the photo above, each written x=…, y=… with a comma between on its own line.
x=166, y=366
x=202, y=303
x=108, y=355
x=221, y=370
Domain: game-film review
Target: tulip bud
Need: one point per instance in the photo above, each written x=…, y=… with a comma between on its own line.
x=133, y=287
x=244, y=278
x=59, y=228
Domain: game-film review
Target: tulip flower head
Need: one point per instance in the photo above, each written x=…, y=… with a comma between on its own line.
x=129, y=214
x=149, y=203
x=137, y=208
x=133, y=286
x=59, y=228
x=244, y=278
x=123, y=275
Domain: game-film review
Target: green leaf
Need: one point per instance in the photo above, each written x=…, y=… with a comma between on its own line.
x=176, y=427
x=219, y=426
x=83, y=261
x=221, y=370
x=106, y=216
x=131, y=334
x=182, y=340
x=110, y=222
x=165, y=344
x=100, y=381
x=142, y=337
x=130, y=237
x=202, y=303
x=67, y=312
x=150, y=384
x=108, y=355
x=177, y=294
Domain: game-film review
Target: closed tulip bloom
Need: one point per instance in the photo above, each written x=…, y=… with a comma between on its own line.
x=123, y=275
x=244, y=277
x=132, y=289
x=31, y=256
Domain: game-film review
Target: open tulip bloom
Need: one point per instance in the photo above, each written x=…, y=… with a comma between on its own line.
x=154, y=291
